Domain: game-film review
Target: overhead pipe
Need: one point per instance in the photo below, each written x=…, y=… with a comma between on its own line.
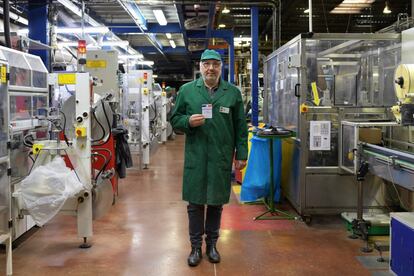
x=6, y=22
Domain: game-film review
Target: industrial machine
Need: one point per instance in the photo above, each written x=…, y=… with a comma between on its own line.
x=28, y=99
x=76, y=125
x=145, y=110
x=312, y=84
x=5, y=192
x=103, y=68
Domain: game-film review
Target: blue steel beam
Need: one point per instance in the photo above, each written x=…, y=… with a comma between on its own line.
x=151, y=28
x=154, y=38
x=181, y=19
x=224, y=34
x=134, y=12
x=38, y=26
x=211, y=13
x=167, y=50
x=231, y=60
x=255, y=64
x=138, y=14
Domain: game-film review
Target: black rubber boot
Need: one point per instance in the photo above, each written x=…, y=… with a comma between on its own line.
x=195, y=256
x=213, y=254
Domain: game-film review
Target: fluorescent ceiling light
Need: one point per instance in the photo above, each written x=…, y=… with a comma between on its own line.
x=154, y=76
x=159, y=15
x=386, y=9
x=137, y=56
x=16, y=17
x=246, y=39
x=306, y=11
x=172, y=43
x=145, y=62
x=222, y=25
x=87, y=30
x=121, y=43
x=352, y=6
x=168, y=35
x=23, y=31
x=225, y=10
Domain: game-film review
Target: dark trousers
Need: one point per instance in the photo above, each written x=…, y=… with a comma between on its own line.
x=198, y=225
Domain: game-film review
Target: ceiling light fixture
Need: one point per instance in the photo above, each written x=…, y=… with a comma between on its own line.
x=222, y=25
x=225, y=10
x=168, y=35
x=16, y=17
x=172, y=43
x=121, y=43
x=24, y=31
x=352, y=6
x=306, y=11
x=387, y=9
x=159, y=15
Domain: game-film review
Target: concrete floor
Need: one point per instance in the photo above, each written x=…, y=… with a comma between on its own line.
x=145, y=233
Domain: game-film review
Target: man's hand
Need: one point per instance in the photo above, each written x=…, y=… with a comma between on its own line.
x=196, y=120
x=240, y=164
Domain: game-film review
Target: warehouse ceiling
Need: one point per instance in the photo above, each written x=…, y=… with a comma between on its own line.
x=193, y=23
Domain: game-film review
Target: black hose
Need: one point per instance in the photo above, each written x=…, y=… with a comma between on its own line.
x=64, y=129
x=104, y=165
x=106, y=162
x=109, y=125
x=102, y=127
x=6, y=22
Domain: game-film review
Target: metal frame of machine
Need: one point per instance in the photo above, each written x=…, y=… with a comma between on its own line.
x=339, y=65
x=28, y=99
x=5, y=193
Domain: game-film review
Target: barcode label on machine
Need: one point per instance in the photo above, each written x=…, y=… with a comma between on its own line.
x=320, y=135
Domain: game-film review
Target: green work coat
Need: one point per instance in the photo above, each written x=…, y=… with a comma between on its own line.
x=209, y=149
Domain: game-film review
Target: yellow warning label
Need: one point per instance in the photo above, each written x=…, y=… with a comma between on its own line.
x=316, y=99
x=66, y=79
x=3, y=74
x=96, y=63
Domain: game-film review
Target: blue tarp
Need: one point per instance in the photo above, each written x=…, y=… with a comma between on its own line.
x=256, y=182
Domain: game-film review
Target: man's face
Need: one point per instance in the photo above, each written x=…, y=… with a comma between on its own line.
x=210, y=70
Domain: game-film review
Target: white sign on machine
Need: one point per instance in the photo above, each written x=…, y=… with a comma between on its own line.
x=320, y=135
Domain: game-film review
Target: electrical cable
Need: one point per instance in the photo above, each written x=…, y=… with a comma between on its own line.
x=395, y=188
x=64, y=128
x=105, y=164
x=109, y=124
x=28, y=144
x=102, y=127
x=324, y=15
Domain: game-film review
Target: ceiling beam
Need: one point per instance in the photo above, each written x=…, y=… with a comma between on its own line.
x=211, y=13
x=122, y=28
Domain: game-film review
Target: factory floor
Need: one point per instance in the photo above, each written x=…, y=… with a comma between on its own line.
x=145, y=233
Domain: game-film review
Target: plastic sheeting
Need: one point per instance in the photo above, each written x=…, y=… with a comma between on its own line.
x=46, y=189
x=256, y=183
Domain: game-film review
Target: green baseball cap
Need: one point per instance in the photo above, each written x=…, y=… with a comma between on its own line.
x=210, y=54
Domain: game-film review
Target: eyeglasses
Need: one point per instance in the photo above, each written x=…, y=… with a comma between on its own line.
x=207, y=65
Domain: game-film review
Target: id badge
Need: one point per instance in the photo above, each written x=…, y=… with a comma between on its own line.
x=207, y=111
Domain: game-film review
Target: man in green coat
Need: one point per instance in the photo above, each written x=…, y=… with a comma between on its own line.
x=210, y=112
